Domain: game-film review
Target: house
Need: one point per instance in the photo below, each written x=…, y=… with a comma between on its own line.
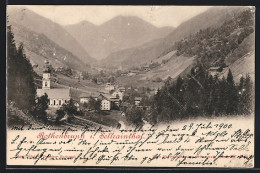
x=105, y=104
x=213, y=71
x=146, y=68
x=144, y=108
x=118, y=94
x=58, y=96
x=156, y=91
x=81, y=76
x=84, y=97
x=122, y=114
x=34, y=65
x=121, y=89
x=59, y=69
x=109, y=87
x=124, y=74
x=138, y=100
x=77, y=105
x=133, y=73
x=115, y=100
x=105, y=101
x=129, y=88
x=99, y=81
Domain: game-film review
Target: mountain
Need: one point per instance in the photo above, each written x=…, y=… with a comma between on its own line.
x=52, y=30
x=39, y=48
x=147, y=52
x=227, y=46
x=119, y=33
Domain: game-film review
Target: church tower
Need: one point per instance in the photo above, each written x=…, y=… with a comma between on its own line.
x=46, y=82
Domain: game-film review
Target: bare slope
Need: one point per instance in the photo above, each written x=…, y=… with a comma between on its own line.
x=39, y=48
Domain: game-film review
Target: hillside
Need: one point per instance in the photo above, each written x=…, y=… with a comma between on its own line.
x=230, y=45
x=39, y=48
x=242, y=67
x=213, y=17
x=170, y=65
x=119, y=33
x=52, y=30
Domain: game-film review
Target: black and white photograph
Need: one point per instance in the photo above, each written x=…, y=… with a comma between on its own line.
x=135, y=86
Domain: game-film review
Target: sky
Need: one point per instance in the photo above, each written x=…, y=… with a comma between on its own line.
x=157, y=15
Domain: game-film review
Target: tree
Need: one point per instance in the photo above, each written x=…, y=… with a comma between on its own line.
x=20, y=82
x=246, y=93
x=68, y=71
x=94, y=104
x=231, y=95
x=91, y=103
x=85, y=75
x=97, y=105
x=168, y=81
x=111, y=79
x=134, y=116
x=94, y=79
x=230, y=79
x=70, y=109
x=60, y=114
x=39, y=110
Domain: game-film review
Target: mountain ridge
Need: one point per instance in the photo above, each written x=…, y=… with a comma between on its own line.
x=39, y=48
x=118, y=33
x=52, y=30
x=213, y=17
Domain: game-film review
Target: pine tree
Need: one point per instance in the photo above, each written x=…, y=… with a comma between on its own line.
x=39, y=110
x=248, y=96
x=20, y=82
x=231, y=95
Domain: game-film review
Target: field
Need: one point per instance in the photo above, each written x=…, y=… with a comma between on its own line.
x=174, y=67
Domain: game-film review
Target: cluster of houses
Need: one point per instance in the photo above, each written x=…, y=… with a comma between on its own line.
x=136, y=72
x=112, y=94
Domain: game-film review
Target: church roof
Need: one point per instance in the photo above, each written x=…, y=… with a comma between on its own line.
x=59, y=93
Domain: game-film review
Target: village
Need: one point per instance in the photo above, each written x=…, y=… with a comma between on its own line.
x=112, y=99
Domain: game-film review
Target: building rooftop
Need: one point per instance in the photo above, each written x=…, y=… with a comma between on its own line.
x=138, y=98
x=213, y=68
x=114, y=99
x=61, y=93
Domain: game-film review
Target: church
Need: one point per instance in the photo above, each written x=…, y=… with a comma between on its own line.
x=57, y=96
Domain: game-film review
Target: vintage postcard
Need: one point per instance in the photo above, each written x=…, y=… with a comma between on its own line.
x=132, y=86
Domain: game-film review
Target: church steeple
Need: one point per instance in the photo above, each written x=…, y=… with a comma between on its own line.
x=46, y=82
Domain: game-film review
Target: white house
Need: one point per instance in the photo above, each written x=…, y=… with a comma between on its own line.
x=138, y=100
x=105, y=104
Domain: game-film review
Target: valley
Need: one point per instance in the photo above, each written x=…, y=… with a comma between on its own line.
x=115, y=70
